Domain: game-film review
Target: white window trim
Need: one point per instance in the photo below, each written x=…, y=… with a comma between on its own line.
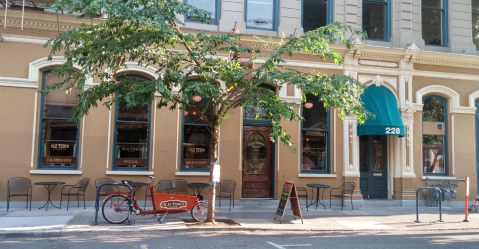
x=55, y=172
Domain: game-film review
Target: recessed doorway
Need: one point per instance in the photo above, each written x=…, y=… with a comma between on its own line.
x=373, y=166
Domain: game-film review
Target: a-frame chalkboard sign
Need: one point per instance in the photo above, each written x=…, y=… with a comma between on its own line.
x=289, y=194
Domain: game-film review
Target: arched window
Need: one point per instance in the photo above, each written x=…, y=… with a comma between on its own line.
x=315, y=137
x=434, y=135
x=132, y=135
x=251, y=111
x=195, y=137
x=58, y=141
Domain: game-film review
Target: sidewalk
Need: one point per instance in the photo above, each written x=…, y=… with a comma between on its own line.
x=57, y=221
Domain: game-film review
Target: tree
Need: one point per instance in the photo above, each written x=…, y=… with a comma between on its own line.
x=148, y=32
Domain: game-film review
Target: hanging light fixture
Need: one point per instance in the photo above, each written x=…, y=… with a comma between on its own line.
x=197, y=98
x=308, y=104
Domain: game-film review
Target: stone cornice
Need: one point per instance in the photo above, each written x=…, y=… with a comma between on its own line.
x=45, y=21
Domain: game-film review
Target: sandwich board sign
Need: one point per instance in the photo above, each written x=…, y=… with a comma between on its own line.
x=289, y=194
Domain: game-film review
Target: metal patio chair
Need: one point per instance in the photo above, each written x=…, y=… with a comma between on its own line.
x=77, y=190
x=19, y=186
x=347, y=190
x=305, y=195
x=227, y=190
x=180, y=186
x=104, y=189
x=163, y=186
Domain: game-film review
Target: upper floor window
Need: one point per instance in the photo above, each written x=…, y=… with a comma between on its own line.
x=261, y=14
x=376, y=16
x=434, y=22
x=212, y=6
x=316, y=13
x=475, y=22
x=132, y=135
x=434, y=135
x=315, y=136
x=58, y=142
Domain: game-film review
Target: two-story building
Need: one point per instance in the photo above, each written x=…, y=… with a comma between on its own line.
x=420, y=64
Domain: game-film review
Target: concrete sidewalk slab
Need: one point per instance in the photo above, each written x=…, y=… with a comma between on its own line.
x=249, y=217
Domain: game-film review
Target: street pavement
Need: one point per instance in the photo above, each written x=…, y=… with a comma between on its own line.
x=54, y=222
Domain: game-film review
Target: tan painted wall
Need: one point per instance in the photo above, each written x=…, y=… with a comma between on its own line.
x=463, y=87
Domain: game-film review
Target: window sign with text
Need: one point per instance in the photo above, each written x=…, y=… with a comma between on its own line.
x=58, y=147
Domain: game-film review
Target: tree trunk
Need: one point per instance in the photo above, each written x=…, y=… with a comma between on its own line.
x=212, y=188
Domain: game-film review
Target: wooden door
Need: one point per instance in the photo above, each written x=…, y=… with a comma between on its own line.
x=256, y=162
x=372, y=165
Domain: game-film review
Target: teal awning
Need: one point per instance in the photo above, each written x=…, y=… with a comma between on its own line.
x=381, y=102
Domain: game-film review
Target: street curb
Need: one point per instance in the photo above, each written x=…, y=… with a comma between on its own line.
x=59, y=233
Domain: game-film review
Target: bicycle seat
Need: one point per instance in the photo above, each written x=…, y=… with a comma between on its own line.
x=126, y=182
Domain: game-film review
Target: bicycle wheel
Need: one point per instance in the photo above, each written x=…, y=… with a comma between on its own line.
x=200, y=215
x=115, y=209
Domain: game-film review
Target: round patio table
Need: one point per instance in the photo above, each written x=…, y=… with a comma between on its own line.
x=137, y=185
x=318, y=188
x=199, y=186
x=49, y=186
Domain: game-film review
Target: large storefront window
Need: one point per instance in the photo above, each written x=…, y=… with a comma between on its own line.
x=196, y=135
x=58, y=143
x=315, y=137
x=434, y=138
x=132, y=130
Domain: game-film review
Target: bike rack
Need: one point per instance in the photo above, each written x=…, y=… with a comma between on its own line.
x=97, y=204
x=417, y=202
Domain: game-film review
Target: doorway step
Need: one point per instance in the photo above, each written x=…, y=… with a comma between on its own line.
x=257, y=202
x=379, y=203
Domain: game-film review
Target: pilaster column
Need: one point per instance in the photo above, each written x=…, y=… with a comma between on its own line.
x=232, y=11
x=350, y=125
x=403, y=17
x=289, y=17
x=404, y=173
x=349, y=12
x=460, y=27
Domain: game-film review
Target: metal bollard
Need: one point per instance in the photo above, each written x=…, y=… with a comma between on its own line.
x=417, y=202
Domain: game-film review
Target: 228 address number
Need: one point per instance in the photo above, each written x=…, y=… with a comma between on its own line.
x=392, y=130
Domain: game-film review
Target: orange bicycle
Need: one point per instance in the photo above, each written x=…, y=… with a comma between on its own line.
x=117, y=206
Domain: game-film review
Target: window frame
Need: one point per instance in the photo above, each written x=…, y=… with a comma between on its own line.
x=387, y=19
x=328, y=143
x=446, y=138
x=472, y=24
x=40, y=166
x=275, y=16
x=182, y=168
x=115, y=121
x=217, y=13
x=329, y=12
x=444, y=23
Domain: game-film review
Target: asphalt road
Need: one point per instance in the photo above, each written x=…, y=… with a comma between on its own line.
x=248, y=239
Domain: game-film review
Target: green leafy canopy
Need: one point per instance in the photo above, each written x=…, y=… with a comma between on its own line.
x=148, y=32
